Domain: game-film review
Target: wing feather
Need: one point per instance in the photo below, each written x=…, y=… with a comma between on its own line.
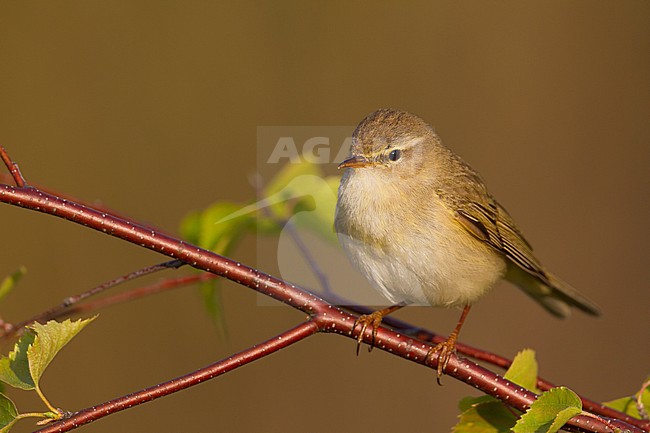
x=500, y=232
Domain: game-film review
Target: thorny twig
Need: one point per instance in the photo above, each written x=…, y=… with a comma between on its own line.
x=68, y=303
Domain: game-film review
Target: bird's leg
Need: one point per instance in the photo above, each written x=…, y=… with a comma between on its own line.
x=447, y=347
x=373, y=320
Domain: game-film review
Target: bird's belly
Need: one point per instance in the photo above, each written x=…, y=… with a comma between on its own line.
x=445, y=270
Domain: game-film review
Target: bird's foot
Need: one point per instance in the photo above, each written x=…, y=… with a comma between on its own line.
x=374, y=321
x=444, y=351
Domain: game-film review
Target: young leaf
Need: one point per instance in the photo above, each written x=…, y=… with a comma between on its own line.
x=486, y=414
x=191, y=227
x=211, y=296
x=50, y=338
x=10, y=281
x=486, y=417
x=468, y=402
x=219, y=226
x=8, y=413
x=14, y=368
x=285, y=176
x=300, y=191
x=321, y=194
x=523, y=370
x=562, y=417
x=628, y=405
x=214, y=229
x=549, y=412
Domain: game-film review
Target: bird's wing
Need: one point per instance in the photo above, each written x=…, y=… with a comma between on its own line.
x=489, y=222
x=480, y=214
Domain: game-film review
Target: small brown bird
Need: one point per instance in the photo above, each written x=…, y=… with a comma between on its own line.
x=420, y=225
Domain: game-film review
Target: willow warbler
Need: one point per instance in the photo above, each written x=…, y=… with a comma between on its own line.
x=421, y=226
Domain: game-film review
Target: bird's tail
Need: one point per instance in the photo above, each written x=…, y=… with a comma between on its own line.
x=556, y=296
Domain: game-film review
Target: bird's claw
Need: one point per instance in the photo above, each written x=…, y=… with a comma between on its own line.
x=444, y=351
x=374, y=321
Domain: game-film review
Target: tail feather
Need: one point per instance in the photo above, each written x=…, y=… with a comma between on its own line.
x=571, y=296
x=556, y=296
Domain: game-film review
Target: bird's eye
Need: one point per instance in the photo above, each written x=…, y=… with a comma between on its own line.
x=395, y=154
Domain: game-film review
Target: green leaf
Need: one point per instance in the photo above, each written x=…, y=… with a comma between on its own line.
x=549, y=412
x=523, y=370
x=485, y=416
x=467, y=402
x=218, y=227
x=299, y=193
x=302, y=193
x=191, y=227
x=211, y=296
x=318, y=205
x=50, y=339
x=282, y=193
x=8, y=413
x=14, y=368
x=628, y=406
x=10, y=281
x=288, y=173
x=562, y=417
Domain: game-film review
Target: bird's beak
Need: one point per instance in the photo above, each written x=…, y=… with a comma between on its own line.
x=354, y=162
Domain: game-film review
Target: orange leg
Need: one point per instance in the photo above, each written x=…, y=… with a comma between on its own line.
x=373, y=320
x=447, y=347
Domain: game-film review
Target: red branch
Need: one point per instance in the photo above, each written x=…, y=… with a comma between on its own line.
x=137, y=293
x=325, y=317
x=68, y=305
x=13, y=168
x=240, y=359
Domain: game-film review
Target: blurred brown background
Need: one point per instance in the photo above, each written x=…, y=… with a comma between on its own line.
x=152, y=107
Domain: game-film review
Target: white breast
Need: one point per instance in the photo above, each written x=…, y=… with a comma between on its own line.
x=432, y=262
